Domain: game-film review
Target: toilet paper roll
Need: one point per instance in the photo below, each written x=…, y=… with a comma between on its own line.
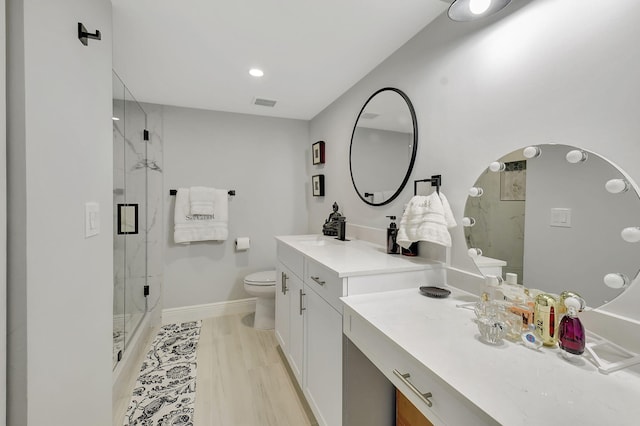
x=242, y=243
x=512, y=278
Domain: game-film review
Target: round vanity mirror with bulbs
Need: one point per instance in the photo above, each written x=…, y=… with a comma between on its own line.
x=556, y=217
x=383, y=146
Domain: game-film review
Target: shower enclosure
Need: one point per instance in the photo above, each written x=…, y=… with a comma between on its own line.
x=130, y=202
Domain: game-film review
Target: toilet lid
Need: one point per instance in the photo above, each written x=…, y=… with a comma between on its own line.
x=261, y=278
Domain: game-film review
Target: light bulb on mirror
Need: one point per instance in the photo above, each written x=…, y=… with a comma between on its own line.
x=617, y=186
x=497, y=166
x=468, y=222
x=476, y=191
x=531, y=152
x=616, y=281
x=474, y=253
x=631, y=234
x=576, y=156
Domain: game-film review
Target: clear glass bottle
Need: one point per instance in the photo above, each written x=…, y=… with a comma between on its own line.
x=571, y=335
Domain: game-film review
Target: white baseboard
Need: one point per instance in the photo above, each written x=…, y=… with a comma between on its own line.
x=198, y=312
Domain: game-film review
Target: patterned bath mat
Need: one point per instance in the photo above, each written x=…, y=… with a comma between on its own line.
x=165, y=392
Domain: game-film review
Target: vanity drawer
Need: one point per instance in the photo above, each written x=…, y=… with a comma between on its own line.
x=445, y=405
x=325, y=282
x=292, y=259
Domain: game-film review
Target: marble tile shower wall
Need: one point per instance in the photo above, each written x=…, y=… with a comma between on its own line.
x=155, y=202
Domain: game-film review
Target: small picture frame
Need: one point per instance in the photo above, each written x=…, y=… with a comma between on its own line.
x=513, y=181
x=127, y=218
x=318, y=152
x=317, y=184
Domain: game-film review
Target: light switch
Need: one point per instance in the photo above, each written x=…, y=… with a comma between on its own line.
x=91, y=219
x=561, y=218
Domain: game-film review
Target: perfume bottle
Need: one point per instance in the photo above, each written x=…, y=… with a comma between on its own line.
x=571, y=331
x=546, y=319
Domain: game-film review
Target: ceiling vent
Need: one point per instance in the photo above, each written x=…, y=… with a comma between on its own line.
x=264, y=102
x=369, y=115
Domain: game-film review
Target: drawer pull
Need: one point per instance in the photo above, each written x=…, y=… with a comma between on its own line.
x=284, y=283
x=317, y=279
x=405, y=379
x=301, y=308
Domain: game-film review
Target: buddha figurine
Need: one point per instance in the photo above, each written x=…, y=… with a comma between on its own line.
x=332, y=224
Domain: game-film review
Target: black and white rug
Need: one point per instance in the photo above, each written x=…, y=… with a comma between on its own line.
x=165, y=392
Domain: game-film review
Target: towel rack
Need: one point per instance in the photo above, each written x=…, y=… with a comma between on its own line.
x=436, y=180
x=232, y=192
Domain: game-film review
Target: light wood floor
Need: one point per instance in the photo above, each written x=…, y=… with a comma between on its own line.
x=241, y=378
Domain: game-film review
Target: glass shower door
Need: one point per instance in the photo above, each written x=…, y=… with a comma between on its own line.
x=130, y=203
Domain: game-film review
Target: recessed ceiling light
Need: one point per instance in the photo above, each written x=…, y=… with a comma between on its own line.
x=478, y=7
x=256, y=72
x=469, y=10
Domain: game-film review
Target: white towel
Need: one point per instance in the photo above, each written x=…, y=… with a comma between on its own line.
x=201, y=200
x=189, y=227
x=426, y=218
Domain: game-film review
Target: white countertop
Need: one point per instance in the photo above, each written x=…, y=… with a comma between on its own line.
x=356, y=257
x=512, y=383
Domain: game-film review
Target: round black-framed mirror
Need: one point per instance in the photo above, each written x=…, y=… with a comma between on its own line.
x=383, y=147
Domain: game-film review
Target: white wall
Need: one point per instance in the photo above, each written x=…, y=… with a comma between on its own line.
x=549, y=71
x=3, y=220
x=265, y=160
x=59, y=157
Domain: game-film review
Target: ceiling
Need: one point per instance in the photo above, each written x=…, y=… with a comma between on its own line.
x=197, y=53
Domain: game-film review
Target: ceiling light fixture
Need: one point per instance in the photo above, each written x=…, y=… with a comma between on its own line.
x=256, y=72
x=469, y=10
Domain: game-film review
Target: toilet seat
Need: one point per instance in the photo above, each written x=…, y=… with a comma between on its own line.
x=263, y=278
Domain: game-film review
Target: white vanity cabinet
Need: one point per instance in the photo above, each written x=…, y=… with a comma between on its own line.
x=431, y=346
x=318, y=271
x=289, y=313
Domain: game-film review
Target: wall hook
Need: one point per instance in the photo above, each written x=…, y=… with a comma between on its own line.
x=84, y=36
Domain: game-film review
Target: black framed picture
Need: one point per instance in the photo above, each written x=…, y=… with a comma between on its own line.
x=318, y=152
x=127, y=218
x=317, y=183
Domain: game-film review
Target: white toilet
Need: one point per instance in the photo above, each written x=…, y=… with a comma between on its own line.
x=262, y=285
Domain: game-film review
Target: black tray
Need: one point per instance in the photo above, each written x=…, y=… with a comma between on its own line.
x=435, y=292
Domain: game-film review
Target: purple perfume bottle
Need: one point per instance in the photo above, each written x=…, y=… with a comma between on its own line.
x=571, y=336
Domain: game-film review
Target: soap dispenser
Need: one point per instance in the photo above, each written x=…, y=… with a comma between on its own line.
x=571, y=337
x=392, y=235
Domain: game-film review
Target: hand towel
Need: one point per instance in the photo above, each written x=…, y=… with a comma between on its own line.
x=448, y=214
x=189, y=227
x=201, y=200
x=426, y=219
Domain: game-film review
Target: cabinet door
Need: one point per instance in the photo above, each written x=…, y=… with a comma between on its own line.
x=323, y=356
x=296, y=326
x=282, y=307
x=407, y=414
